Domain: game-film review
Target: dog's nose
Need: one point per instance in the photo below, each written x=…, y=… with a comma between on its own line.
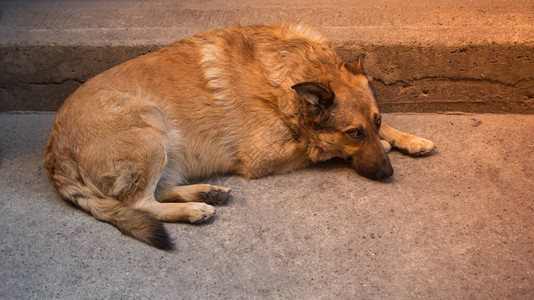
x=384, y=172
x=380, y=173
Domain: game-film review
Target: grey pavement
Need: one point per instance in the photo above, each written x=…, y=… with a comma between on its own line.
x=456, y=225
x=426, y=56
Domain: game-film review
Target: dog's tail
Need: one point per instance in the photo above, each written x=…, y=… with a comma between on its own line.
x=78, y=189
x=130, y=221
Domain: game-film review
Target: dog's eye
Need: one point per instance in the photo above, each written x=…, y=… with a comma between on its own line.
x=355, y=133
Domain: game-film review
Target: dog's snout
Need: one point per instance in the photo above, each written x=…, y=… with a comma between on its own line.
x=384, y=172
x=379, y=170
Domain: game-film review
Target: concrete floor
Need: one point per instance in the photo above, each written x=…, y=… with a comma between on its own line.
x=455, y=225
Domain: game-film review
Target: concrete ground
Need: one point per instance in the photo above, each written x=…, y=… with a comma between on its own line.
x=456, y=225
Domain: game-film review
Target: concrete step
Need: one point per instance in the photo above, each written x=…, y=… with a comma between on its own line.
x=472, y=56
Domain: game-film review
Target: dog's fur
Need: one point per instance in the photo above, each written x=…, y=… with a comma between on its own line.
x=248, y=100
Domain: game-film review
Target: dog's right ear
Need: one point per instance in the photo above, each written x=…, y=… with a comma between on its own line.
x=315, y=94
x=356, y=66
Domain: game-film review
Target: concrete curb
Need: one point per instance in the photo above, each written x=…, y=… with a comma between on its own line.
x=475, y=57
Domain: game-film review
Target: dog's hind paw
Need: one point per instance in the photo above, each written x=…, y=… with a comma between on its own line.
x=200, y=213
x=217, y=196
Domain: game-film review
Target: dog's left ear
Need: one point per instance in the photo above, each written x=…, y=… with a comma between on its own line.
x=356, y=66
x=315, y=94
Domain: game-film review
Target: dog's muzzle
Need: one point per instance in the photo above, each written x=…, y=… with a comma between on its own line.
x=383, y=171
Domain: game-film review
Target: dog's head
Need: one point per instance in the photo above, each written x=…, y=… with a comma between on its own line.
x=345, y=119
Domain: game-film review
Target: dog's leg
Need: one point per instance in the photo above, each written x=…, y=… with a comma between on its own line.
x=195, y=213
x=407, y=143
x=172, y=212
x=210, y=194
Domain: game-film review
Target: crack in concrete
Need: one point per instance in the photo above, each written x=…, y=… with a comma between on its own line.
x=64, y=81
x=451, y=79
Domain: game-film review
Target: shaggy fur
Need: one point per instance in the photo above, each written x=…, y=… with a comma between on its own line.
x=249, y=101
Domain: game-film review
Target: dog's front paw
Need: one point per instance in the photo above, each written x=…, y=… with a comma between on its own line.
x=386, y=145
x=216, y=196
x=200, y=213
x=417, y=146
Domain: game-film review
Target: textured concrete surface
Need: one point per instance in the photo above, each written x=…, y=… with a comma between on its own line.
x=454, y=55
x=455, y=225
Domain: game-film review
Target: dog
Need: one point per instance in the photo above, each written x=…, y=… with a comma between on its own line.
x=249, y=101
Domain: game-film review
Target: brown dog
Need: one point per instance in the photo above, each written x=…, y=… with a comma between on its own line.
x=247, y=100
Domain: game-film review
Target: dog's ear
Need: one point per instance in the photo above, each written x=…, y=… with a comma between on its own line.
x=356, y=66
x=315, y=94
